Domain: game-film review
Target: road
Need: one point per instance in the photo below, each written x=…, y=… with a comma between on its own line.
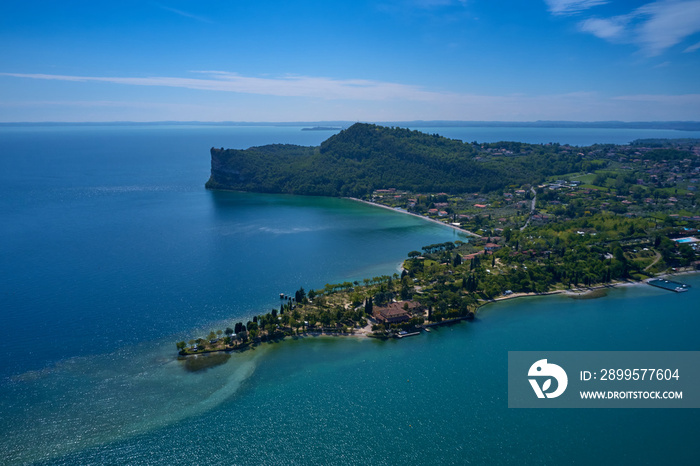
x=532, y=208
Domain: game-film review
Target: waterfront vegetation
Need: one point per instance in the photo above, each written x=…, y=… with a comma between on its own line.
x=542, y=219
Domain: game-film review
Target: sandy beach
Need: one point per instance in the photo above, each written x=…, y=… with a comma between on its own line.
x=416, y=215
x=583, y=291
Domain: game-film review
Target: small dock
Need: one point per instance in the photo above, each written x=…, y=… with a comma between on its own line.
x=447, y=322
x=406, y=334
x=669, y=285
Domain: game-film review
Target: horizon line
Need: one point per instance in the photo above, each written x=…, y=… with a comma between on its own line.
x=350, y=122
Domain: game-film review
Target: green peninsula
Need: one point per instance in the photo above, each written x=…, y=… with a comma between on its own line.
x=363, y=158
x=544, y=218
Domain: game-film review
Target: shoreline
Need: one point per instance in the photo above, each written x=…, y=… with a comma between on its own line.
x=454, y=227
x=579, y=292
x=583, y=291
x=366, y=332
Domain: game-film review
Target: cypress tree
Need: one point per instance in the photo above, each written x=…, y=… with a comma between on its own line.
x=369, y=306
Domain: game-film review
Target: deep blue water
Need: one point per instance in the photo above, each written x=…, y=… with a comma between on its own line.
x=112, y=251
x=109, y=238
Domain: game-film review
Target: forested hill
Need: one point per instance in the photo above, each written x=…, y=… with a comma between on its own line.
x=366, y=157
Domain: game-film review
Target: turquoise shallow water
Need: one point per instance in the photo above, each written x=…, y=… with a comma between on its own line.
x=439, y=398
x=112, y=251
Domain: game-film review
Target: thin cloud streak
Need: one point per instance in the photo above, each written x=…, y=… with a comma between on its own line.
x=688, y=99
x=310, y=87
x=570, y=7
x=334, y=99
x=692, y=48
x=186, y=14
x=290, y=86
x=654, y=27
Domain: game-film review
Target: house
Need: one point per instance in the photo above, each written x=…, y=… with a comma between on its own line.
x=491, y=247
x=469, y=257
x=397, y=312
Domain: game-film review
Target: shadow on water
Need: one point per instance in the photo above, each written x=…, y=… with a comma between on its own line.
x=227, y=199
x=204, y=361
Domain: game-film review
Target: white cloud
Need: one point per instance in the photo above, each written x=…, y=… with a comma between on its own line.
x=669, y=24
x=418, y=7
x=242, y=98
x=654, y=27
x=423, y=4
x=692, y=48
x=186, y=14
x=436, y=3
x=611, y=29
x=569, y=7
x=289, y=86
x=685, y=99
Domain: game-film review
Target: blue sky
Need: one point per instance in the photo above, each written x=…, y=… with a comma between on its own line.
x=307, y=60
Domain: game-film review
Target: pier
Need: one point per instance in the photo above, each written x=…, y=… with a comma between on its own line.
x=678, y=287
x=448, y=322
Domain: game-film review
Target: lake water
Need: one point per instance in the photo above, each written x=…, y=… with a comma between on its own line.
x=113, y=251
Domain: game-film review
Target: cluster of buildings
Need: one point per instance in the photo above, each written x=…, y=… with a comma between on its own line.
x=397, y=312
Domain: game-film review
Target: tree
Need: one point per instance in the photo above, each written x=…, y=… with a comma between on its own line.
x=687, y=254
x=228, y=331
x=405, y=292
x=181, y=345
